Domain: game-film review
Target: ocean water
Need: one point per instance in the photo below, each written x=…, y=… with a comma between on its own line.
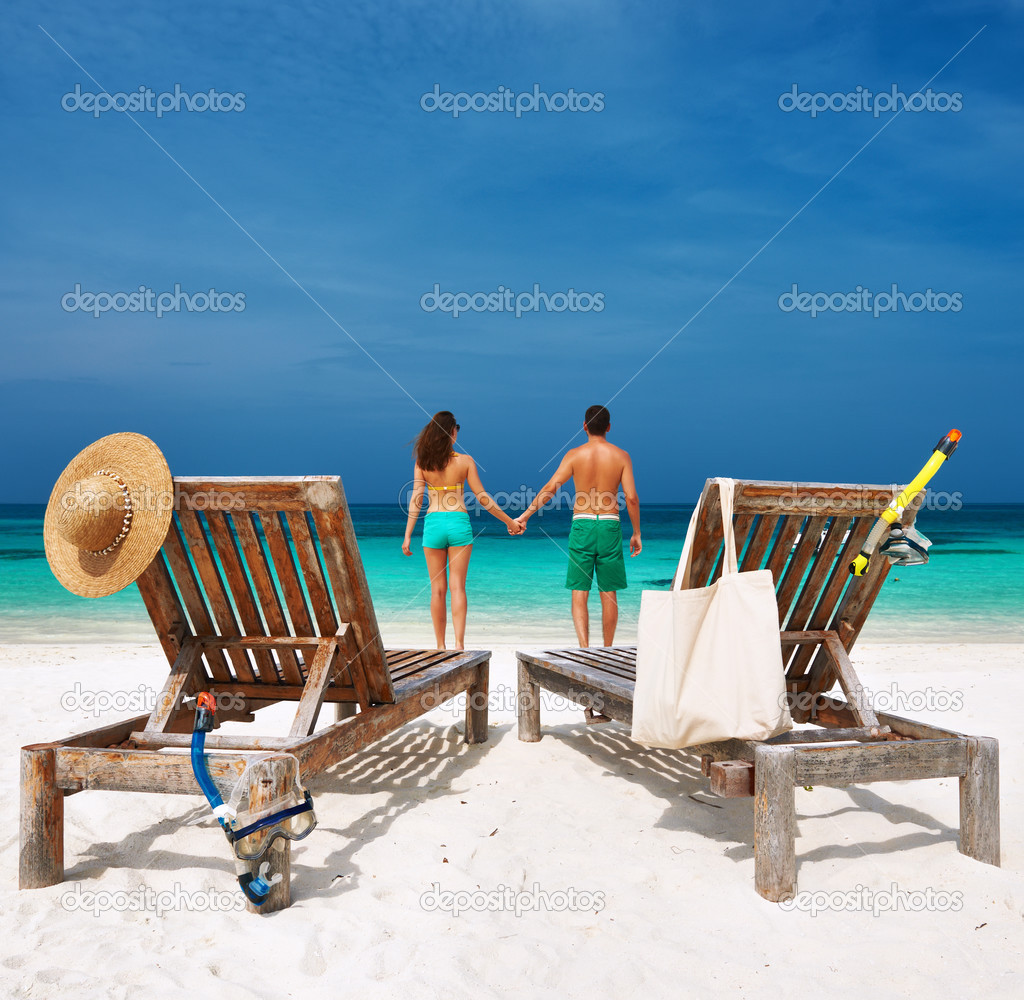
x=971, y=590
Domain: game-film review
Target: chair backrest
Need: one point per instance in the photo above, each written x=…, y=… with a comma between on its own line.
x=274, y=556
x=806, y=534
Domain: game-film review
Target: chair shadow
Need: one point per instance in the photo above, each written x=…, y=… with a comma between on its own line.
x=421, y=757
x=407, y=765
x=675, y=776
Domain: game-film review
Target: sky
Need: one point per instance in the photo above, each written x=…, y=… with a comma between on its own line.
x=674, y=196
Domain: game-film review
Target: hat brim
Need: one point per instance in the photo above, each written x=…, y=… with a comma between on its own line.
x=139, y=462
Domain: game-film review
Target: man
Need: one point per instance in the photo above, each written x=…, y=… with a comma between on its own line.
x=597, y=468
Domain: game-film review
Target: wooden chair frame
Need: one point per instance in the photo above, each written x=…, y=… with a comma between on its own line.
x=258, y=595
x=806, y=534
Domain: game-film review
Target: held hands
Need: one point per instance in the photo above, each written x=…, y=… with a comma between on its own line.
x=515, y=527
x=635, y=546
x=521, y=521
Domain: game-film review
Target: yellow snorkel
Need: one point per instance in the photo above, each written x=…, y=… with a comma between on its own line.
x=902, y=544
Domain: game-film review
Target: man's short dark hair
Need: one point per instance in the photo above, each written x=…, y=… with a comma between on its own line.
x=597, y=419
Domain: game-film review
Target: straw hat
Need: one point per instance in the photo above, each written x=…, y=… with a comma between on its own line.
x=108, y=515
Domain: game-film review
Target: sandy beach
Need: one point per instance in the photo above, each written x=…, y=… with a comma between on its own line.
x=629, y=878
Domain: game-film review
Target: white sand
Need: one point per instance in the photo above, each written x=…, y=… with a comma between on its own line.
x=583, y=809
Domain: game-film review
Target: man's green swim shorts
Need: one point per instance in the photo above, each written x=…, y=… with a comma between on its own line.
x=595, y=543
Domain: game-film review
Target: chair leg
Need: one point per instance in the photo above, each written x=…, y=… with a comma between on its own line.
x=775, y=823
x=528, y=706
x=979, y=801
x=476, y=706
x=41, y=858
x=271, y=779
x=344, y=710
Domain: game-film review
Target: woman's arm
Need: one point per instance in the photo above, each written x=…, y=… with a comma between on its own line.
x=419, y=485
x=486, y=500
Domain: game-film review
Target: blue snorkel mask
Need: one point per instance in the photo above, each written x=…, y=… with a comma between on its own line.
x=250, y=832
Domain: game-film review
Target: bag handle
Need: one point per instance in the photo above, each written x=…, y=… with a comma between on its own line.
x=725, y=491
x=726, y=488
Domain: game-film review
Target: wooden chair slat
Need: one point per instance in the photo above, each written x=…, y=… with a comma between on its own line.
x=235, y=495
x=223, y=613
x=395, y=657
x=240, y=590
x=857, y=602
x=798, y=563
x=783, y=547
x=312, y=573
x=266, y=592
x=754, y=555
x=584, y=657
x=817, y=499
x=165, y=610
x=859, y=529
x=611, y=657
x=708, y=540
x=811, y=589
x=184, y=577
x=352, y=596
x=741, y=527
x=287, y=574
x=425, y=659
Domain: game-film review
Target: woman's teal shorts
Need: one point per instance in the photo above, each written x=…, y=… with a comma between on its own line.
x=445, y=528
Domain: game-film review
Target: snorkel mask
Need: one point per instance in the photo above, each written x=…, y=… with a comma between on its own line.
x=249, y=831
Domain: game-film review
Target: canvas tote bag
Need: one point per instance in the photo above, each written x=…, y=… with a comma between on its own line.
x=709, y=662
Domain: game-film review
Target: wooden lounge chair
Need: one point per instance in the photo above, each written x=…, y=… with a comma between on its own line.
x=265, y=600
x=806, y=534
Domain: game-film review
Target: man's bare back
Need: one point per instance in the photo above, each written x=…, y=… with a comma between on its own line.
x=597, y=469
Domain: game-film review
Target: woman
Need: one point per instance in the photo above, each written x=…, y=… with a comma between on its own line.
x=447, y=533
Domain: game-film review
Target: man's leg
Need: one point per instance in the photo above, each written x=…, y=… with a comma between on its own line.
x=581, y=617
x=609, y=615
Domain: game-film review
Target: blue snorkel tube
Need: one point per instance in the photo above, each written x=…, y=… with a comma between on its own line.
x=255, y=887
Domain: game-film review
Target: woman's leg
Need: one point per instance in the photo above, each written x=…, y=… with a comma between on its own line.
x=458, y=563
x=437, y=567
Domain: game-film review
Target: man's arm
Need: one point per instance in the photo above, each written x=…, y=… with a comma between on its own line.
x=632, y=505
x=562, y=475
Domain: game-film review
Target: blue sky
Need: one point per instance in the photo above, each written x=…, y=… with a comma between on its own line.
x=654, y=202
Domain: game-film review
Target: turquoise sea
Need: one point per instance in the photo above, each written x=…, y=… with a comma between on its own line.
x=971, y=590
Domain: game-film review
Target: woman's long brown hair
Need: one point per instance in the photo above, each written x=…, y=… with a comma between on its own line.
x=434, y=449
